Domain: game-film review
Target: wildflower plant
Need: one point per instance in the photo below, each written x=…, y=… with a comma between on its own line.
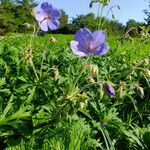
x=58, y=95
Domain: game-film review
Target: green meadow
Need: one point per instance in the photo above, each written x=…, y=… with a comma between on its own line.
x=51, y=99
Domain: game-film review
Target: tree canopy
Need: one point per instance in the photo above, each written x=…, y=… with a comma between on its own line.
x=15, y=13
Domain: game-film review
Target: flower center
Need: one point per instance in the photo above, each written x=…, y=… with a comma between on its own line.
x=47, y=17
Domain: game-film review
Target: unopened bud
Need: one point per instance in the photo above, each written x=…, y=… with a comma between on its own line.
x=91, y=80
x=94, y=69
x=52, y=40
x=33, y=12
x=147, y=73
x=29, y=58
x=27, y=25
x=118, y=7
x=113, y=16
x=145, y=62
x=110, y=90
x=56, y=73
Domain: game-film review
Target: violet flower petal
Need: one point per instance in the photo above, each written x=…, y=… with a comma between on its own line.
x=84, y=37
x=101, y=50
x=55, y=13
x=99, y=37
x=39, y=16
x=46, y=7
x=76, y=49
x=53, y=24
x=43, y=25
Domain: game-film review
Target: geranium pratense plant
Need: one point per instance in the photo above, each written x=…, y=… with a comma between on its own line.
x=48, y=17
x=88, y=43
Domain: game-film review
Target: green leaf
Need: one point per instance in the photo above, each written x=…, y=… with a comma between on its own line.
x=2, y=82
x=30, y=97
x=7, y=108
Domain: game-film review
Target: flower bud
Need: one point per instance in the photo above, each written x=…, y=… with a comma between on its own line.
x=27, y=25
x=94, y=69
x=118, y=7
x=91, y=80
x=145, y=62
x=29, y=58
x=113, y=16
x=110, y=90
x=33, y=12
x=52, y=40
x=147, y=73
x=56, y=73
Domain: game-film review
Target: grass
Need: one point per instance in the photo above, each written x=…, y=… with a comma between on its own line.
x=41, y=107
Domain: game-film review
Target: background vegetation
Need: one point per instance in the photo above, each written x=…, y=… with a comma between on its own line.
x=14, y=14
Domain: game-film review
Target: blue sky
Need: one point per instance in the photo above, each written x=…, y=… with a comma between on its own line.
x=130, y=9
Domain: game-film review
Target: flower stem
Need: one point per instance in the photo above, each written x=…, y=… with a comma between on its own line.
x=34, y=70
x=100, y=17
x=98, y=13
x=30, y=53
x=81, y=72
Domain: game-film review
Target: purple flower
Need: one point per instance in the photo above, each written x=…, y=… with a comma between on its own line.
x=109, y=89
x=48, y=17
x=87, y=43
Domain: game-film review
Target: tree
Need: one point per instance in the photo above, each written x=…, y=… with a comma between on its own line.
x=132, y=27
x=82, y=21
x=14, y=13
x=64, y=19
